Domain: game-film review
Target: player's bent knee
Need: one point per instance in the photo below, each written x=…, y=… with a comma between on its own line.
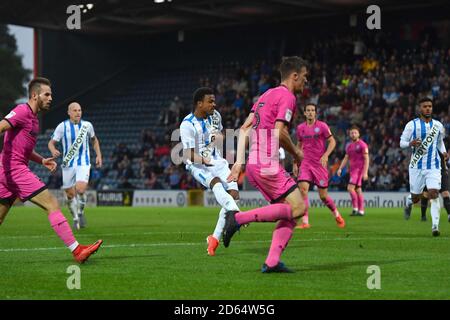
x=234, y=194
x=433, y=194
x=350, y=188
x=298, y=210
x=81, y=188
x=214, y=181
x=70, y=193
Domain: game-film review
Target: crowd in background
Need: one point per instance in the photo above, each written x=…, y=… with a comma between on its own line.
x=366, y=79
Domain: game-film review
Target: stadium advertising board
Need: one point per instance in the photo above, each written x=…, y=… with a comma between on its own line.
x=163, y=198
x=61, y=196
x=114, y=198
x=342, y=199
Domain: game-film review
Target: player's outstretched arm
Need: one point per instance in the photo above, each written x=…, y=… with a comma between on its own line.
x=98, y=152
x=53, y=150
x=4, y=125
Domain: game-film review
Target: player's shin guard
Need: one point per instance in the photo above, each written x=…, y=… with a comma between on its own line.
x=73, y=207
x=305, y=217
x=220, y=224
x=355, y=199
x=270, y=213
x=225, y=200
x=423, y=206
x=81, y=201
x=280, y=239
x=360, y=202
x=409, y=201
x=435, y=212
x=331, y=205
x=62, y=229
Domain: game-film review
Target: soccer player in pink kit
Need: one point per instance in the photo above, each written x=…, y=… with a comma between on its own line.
x=312, y=137
x=358, y=153
x=267, y=128
x=21, y=127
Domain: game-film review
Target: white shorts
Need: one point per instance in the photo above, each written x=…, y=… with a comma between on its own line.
x=205, y=175
x=72, y=175
x=419, y=178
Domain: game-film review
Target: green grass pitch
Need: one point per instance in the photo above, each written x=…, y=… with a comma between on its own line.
x=160, y=253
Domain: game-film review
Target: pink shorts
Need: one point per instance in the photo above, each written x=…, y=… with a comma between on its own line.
x=315, y=174
x=19, y=183
x=272, y=181
x=356, y=176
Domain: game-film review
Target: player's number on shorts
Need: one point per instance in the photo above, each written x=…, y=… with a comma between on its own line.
x=257, y=116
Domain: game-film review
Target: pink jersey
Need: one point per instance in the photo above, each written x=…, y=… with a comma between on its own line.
x=314, y=140
x=277, y=104
x=355, y=152
x=19, y=141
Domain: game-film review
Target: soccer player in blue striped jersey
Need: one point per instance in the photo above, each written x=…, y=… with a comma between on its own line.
x=200, y=132
x=425, y=136
x=74, y=135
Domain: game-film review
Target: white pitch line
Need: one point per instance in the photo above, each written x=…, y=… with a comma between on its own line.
x=162, y=244
x=79, y=235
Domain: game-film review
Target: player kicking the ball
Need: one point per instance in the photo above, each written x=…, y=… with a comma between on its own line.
x=201, y=134
x=267, y=128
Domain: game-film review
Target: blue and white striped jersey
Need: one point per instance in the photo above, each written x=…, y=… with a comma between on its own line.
x=419, y=129
x=196, y=134
x=66, y=133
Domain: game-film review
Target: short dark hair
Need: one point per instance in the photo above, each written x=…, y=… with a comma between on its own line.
x=291, y=64
x=36, y=83
x=200, y=94
x=310, y=104
x=354, y=127
x=425, y=99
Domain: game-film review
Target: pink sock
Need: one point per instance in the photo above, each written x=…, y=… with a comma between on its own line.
x=280, y=239
x=360, y=202
x=354, y=197
x=62, y=229
x=330, y=204
x=270, y=213
x=305, y=217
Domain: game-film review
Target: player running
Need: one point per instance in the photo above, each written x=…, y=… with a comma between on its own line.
x=312, y=137
x=74, y=135
x=200, y=134
x=17, y=180
x=267, y=127
x=358, y=153
x=425, y=136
